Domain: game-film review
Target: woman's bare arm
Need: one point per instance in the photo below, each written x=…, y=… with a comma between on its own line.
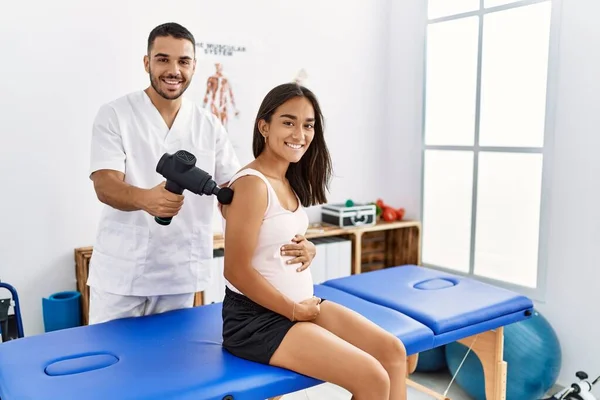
x=244, y=218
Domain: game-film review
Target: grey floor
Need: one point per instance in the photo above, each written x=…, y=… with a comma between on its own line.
x=437, y=381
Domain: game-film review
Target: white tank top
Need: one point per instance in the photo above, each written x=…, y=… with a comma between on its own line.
x=279, y=227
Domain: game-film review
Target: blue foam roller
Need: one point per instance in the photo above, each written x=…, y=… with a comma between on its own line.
x=61, y=310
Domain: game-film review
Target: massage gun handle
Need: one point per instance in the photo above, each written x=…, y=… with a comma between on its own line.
x=172, y=187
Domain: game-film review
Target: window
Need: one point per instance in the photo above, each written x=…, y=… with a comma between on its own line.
x=485, y=136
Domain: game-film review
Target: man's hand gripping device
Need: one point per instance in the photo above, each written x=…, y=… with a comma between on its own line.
x=181, y=173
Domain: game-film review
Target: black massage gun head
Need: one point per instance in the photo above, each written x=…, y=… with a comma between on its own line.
x=225, y=195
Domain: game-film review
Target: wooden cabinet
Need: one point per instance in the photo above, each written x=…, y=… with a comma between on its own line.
x=383, y=245
x=378, y=246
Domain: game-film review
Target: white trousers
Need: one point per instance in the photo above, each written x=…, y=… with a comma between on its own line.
x=105, y=306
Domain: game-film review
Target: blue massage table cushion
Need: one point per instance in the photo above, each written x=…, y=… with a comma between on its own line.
x=453, y=307
x=175, y=355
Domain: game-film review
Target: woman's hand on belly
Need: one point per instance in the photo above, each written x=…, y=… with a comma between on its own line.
x=307, y=310
x=302, y=250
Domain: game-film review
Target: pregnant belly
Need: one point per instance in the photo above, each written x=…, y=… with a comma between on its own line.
x=269, y=262
x=298, y=286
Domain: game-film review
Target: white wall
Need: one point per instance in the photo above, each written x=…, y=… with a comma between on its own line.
x=62, y=59
x=403, y=142
x=573, y=279
x=573, y=274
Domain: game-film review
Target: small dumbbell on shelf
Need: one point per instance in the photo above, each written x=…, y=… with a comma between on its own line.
x=387, y=212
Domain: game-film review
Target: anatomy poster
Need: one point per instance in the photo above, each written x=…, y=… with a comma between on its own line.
x=217, y=62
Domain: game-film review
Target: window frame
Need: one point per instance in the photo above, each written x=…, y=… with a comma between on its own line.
x=537, y=293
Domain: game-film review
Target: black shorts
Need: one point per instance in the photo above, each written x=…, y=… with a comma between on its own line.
x=251, y=331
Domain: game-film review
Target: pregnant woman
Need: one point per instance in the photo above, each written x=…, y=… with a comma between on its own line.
x=270, y=313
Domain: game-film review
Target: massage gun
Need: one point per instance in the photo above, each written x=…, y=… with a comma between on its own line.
x=181, y=173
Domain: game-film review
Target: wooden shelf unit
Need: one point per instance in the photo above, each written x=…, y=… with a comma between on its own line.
x=378, y=246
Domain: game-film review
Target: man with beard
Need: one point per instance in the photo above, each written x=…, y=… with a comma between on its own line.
x=139, y=267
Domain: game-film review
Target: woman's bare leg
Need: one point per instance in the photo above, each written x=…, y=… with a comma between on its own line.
x=366, y=335
x=313, y=351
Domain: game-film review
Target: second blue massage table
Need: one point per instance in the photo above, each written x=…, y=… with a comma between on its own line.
x=178, y=355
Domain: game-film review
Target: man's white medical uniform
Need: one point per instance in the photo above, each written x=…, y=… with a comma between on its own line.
x=139, y=267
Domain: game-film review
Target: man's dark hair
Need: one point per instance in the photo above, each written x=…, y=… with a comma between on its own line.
x=172, y=29
x=310, y=176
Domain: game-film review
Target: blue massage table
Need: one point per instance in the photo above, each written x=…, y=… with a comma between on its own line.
x=178, y=355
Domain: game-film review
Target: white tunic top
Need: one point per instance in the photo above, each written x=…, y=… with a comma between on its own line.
x=133, y=254
x=279, y=227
